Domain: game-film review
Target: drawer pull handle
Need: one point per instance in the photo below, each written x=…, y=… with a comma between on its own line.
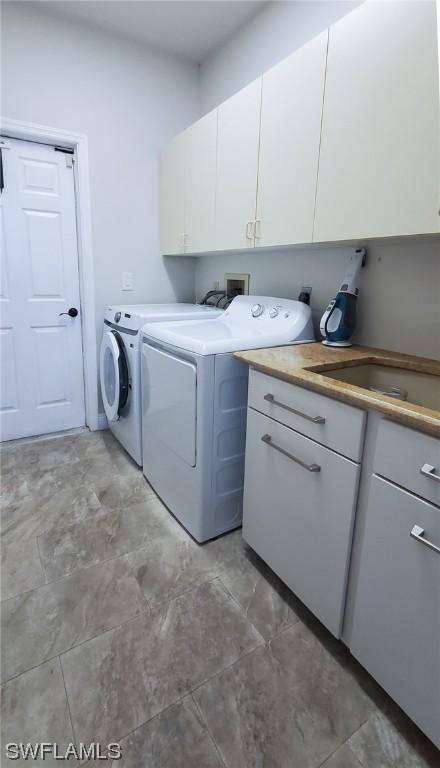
x=418, y=533
x=310, y=467
x=429, y=471
x=315, y=419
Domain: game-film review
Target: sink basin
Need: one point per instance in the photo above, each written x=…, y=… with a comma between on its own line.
x=399, y=383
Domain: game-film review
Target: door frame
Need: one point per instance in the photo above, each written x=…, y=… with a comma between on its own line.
x=18, y=129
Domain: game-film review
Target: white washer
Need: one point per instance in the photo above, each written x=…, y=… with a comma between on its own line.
x=195, y=402
x=120, y=365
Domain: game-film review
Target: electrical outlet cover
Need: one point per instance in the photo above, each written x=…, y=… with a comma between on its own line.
x=127, y=281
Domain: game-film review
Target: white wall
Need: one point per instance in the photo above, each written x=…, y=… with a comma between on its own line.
x=269, y=37
x=129, y=101
x=399, y=302
x=399, y=306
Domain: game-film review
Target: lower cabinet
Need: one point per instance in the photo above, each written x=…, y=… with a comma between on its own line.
x=396, y=627
x=299, y=504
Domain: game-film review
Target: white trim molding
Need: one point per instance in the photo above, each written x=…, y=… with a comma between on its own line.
x=102, y=421
x=16, y=129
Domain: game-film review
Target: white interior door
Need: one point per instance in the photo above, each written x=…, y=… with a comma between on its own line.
x=42, y=385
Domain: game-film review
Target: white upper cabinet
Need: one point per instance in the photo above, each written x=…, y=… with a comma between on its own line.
x=379, y=162
x=172, y=196
x=200, y=174
x=237, y=167
x=187, y=181
x=291, y=112
x=340, y=141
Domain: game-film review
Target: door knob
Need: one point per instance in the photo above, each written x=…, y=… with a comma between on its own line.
x=72, y=312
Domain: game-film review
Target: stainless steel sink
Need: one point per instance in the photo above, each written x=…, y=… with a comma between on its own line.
x=415, y=387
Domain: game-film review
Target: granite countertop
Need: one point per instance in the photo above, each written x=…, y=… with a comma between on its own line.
x=304, y=364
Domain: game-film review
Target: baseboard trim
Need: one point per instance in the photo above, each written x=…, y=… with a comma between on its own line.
x=102, y=421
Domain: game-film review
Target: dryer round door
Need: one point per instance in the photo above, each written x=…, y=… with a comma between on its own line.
x=114, y=375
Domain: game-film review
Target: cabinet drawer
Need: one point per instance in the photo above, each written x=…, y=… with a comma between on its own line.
x=396, y=627
x=338, y=426
x=401, y=455
x=299, y=520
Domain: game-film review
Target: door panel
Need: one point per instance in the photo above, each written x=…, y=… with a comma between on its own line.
x=40, y=176
x=378, y=164
x=200, y=178
x=8, y=392
x=299, y=521
x=170, y=394
x=4, y=282
x=44, y=246
x=237, y=166
x=42, y=351
x=291, y=112
x=52, y=365
x=396, y=627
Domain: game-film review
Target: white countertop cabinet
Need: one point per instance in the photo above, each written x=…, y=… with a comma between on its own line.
x=301, y=488
x=298, y=512
x=344, y=507
x=396, y=625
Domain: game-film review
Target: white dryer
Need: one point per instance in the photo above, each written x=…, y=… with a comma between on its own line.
x=120, y=365
x=195, y=405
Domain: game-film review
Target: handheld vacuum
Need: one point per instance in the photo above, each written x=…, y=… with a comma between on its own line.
x=339, y=319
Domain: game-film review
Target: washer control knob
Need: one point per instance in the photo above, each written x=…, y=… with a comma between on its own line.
x=273, y=312
x=117, y=317
x=257, y=310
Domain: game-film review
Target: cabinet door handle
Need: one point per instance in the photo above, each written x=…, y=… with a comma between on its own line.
x=419, y=533
x=315, y=419
x=429, y=471
x=257, y=229
x=249, y=232
x=310, y=467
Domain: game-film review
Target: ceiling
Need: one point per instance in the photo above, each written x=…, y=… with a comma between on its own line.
x=191, y=29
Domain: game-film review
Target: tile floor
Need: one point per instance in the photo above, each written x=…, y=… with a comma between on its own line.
x=117, y=626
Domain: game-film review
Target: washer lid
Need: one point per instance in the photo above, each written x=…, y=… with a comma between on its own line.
x=113, y=374
x=251, y=322
x=134, y=316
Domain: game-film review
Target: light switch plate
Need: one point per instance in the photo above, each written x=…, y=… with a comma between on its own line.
x=127, y=281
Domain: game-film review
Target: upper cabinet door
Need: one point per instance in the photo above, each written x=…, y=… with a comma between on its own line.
x=237, y=166
x=200, y=172
x=172, y=196
x=379, y=162
x=291, y=114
